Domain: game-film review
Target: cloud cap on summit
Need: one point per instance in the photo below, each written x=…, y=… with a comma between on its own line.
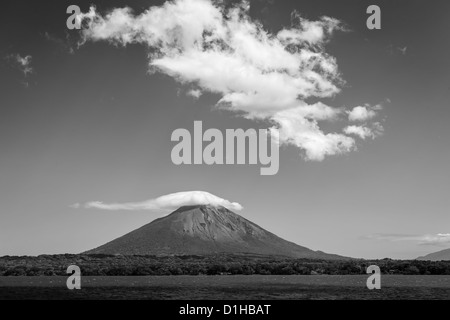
x=166, y=202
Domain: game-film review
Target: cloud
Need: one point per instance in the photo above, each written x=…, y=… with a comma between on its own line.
x=427, y=239
x=403, y=50
x=195, y=93
x=64, y=44
x=311, y=32
x=438, y=239
x=363, y=113
x=365, y=132
x=167, y=202
x=22, y=63
x=259, y=74
x=299, y=127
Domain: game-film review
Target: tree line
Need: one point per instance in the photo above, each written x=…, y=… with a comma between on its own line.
x=221, y=264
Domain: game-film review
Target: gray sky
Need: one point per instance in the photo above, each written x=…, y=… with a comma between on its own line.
x=92, y=124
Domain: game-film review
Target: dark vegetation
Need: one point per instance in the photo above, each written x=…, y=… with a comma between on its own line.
x=220, y=264
x=254, y=292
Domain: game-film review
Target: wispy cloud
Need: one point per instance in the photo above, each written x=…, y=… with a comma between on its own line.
x=403, y=50
x=426, y=239
x=261, y=75
x=165, y=203
x=23, y=63
x=394, y=51
x=64, y=44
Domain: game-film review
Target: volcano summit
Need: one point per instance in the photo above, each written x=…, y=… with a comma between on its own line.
x=202, y=230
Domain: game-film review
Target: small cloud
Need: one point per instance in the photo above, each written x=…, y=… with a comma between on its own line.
x=394, y=51
x=22, y=63
x=363, y=113
x=403, y=50
x=166, y=203
x=195, y=93
x=360, y=131
x=75, y=206
x=365, y=132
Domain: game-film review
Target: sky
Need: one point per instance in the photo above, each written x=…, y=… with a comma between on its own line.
x=87, y=117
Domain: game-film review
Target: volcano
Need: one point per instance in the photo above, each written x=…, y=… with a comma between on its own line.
x=204, y=230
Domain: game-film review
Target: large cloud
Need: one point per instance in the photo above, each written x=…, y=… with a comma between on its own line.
x=167, y=202
x=261, y=75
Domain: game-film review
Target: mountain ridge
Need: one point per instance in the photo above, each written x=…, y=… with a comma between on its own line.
x=436, y=256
